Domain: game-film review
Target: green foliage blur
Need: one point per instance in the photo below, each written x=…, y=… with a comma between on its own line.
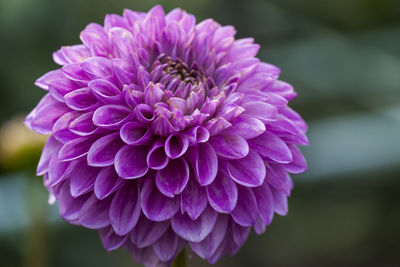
x=343, y=58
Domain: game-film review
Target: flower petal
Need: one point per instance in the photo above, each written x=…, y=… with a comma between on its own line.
x=94, y=213
x=173, y=179
x=51, y=147
x=272, y=147
x=176, y=145
x=193, y=199
x=279, y=178
x=134, y=133
x=260, y=110
x=83, y=125
x=194, y=230
x=245, y=212
x=246, y=126
x=45, y=118
x=103, y=150
x=166, y=247
x=106, y=91
x=298, y=165
x=130, y=162
x=147, y=232
x=248, y=171
x=69, y=206
x=265, y=202
x=125, y=209
x=82, y=178
x=230, y=146
x=222, y=193
x=111, y=116
x=204, y=161
x=75, y=149
x=156, y=158
x=110, y=240
x=80, y=99
x=155, y=205
x=107, y=182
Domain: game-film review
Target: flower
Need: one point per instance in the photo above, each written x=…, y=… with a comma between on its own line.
x=167, y=133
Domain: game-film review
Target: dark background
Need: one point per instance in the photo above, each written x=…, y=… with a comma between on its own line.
x=342, y=56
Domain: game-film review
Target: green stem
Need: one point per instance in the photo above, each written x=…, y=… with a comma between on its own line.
x=180, y=261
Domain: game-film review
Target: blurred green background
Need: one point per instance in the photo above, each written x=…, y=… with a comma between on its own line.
x=343, y=57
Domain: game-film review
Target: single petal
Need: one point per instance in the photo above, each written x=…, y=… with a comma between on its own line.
x=176, y=145
x=144, y=113
x=280, y=202
x=51, y=147
x=246, y=126
x=193, y=199
x=260, y=110
x=125, y=209
x=222, y=193
x=246, y=211
x=272, y=147
x=259, y=226
x=155, y=205
x=153, y=94
x=94, y=213
x=230, y=146
x=166, y=247
x=69, y=206
x=239, y=234
x=173, y=179
x=97, y=67
x=298, y=165
x=156, y=158
x=162, y=126
x=61, y=129
x=265, y=202
x=194, y=230
x=107, y=182
x=110, y=240
x=217, y=125
x=58, y=170
x=278, y=178
x=45, y=118
x=210, y=244
x=106, y=91
x=111, y=116
x=130, y=162
x=44, y=81
x=204, y=161
x=82, y=178
x=147, y=232
x=248, y=171
x=103, y=150
x=75, y=149
x=83, y=125
x=134, y=133
x=197, y=134
x=80, y=99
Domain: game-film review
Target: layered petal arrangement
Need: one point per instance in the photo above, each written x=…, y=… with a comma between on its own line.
x=166, y=133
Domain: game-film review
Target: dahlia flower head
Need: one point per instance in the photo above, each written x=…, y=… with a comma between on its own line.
x=166, y=133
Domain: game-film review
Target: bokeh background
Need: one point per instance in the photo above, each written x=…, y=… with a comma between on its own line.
x=342, y=56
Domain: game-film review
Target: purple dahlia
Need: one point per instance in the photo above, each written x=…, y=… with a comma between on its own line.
x=166, y=133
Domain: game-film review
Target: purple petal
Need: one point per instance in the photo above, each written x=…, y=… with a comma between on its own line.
x=259, y=226
x=110, y=240
x=162, y=126
x=230, y=146
x=103, y=150
x=125, y=209
x=166, y=247
x=217, y=125
x=45, y=118
x=210, y=244
x=193, y=199
x=106, y=91
x=83, y=125
x=107, y=182
x=147, y=232
x=75, y=149
x=265, y=202
x=75, y=73
x=204, y=162
x=272, y=147
x=111, y=116
x=173, y=179
x=222, y=193
x=94, y=213
x=298, y=165
x=248, y=171
x=239, y=234
x=144, y=113
x=61, y=129
x=156, y=158
x=82, y=178
x=246, y=126
x=246, y=211
x=155, y=205
x=130, y=162
x=51, y=147
x=44, y=81
x=58, y=170
x=97, y=67
x=71, y=54
x=69, y=206
x=260, y=110
x=280, y=202
x=176, y=145
x=194, y=230
x=134, y=133
x=197, y=134
x=279, y=178
x=80, y=99
x=153, y=94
